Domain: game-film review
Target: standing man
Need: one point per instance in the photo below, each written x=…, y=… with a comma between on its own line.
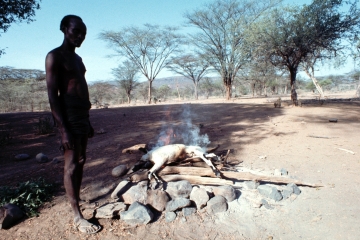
x=69, y=101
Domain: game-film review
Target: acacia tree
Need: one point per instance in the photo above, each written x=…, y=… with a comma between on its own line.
x=15, y=11
x=125, y=76
x=291, y=36
x=149, y=48
x=221, y=39
x=190, y=66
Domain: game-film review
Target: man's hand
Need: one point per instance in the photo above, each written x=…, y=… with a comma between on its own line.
x=66, y=141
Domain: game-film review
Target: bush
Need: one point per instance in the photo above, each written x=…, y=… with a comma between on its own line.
x=29, y=196
x=44, y=126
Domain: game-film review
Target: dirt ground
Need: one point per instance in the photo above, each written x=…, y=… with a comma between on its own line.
x=298, y=139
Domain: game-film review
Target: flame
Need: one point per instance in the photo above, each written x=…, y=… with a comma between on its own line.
x=167, y=137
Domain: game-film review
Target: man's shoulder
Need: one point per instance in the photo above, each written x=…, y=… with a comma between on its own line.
x=55, y=53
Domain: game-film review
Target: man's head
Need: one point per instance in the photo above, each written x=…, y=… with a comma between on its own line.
x=74, y=29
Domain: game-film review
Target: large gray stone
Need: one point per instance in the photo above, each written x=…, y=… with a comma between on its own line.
x=120, y=189
x=286, y=192
x=22, y=156
x=42, y=158
x=137, y=214
x=119, y=171
x=295, y=188
x=10, y=214
x=217, y=204
x=251, y=184
x=226, y=191
x=110, y=210
x=177, y=203
x=157, y=199
x=270, y=192
x=137, y=193
x=187, y=211
x=199, y=196
x=179, y=189
x=170, y=216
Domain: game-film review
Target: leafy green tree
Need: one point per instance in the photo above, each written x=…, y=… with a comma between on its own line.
x=149, y=48
x=163, y=92
x=326, y=84
x=125, y=76
x=294, y=35
x=15, y=11
x=222, y=30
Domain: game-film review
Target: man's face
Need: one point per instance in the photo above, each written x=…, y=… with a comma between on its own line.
x=75, y=32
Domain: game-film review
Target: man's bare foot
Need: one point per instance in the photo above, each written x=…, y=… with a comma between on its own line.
x=86, y=227
x=86, y=204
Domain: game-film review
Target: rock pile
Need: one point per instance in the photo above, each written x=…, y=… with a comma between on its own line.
x=135, y=203
x=178, y=198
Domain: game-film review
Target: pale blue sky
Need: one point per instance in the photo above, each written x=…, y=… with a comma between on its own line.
x=27, y=44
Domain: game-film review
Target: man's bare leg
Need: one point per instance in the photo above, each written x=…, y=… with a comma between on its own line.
x=73, y=171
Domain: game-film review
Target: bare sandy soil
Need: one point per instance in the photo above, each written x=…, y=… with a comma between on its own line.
x=299, y=139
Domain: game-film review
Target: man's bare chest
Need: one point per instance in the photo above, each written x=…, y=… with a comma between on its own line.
x=73, y=66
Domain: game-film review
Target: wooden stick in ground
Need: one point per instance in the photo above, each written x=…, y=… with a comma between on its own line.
x=226, y=156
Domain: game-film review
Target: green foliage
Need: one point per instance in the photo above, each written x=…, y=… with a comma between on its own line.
x=163, y=92
x=29, y=196
x=326, y=84
x=44, y=126
x=16, y=11
x=310, y=86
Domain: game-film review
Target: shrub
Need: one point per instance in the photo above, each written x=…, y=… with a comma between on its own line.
x=29, y=196
x=44, y=126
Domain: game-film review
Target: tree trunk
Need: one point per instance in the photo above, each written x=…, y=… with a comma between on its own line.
x=318, y=87
x=227, y=84
x=196, y=91
x=177, y=87
x=150, y=91
x=358, y=89
x=292, y=83
x=265, y=90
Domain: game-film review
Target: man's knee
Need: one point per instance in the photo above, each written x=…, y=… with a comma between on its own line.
x=70, y=167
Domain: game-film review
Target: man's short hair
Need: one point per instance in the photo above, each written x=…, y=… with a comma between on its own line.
x=66, y=20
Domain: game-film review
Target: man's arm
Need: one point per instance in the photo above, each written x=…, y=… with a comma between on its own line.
x=52, y=64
